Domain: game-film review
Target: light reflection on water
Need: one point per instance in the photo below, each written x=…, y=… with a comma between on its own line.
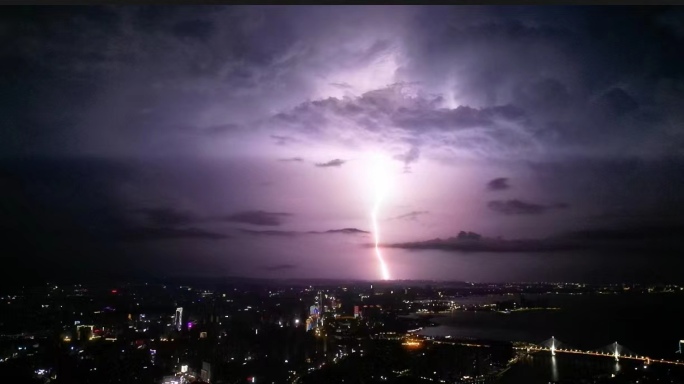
x=542, y=368
x=647, y=324
x=554, y=369
x=584, y=321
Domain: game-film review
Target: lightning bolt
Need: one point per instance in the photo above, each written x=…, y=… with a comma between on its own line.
x=380, y=186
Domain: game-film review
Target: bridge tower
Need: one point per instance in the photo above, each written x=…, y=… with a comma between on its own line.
x=616, y=354
x=553, y=346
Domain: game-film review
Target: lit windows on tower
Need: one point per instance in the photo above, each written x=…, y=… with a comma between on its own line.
x=178, y=319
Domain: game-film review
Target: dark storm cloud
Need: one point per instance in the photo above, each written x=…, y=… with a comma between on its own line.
x=661, y=232
x=412, y=216
x=461, y=117
x=618, y=192
x=518, y=207
x=513, y=85
x=58, y=213
x=165, y=224
x=498, y=184
x=347, y=231
x=331, y=163
x=268, y=232
x=617, y=101
x=76, y=202
x=194, y=29
x=496, y=83
x=664, y=239
x=261, y=218
x=580, y=80
x=139, y=73
x=584, y=102
x=491, y=245
x=167, y=233
x=66, y=194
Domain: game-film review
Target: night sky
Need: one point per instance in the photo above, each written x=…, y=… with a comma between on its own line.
x=246, y=141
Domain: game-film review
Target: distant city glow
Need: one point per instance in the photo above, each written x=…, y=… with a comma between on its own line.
x=380, y=182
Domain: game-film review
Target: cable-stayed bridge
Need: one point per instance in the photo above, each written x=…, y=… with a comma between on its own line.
x=613, y=350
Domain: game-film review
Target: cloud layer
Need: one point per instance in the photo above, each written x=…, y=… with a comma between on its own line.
x=498, y=184
x=260, y=218
x=331, y=163
x=174, y=136
x=518, y=207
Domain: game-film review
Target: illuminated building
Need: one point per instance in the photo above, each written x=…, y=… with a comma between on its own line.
x=178, y=319
x=84, y=332
x=320, y=309
x=205, y=373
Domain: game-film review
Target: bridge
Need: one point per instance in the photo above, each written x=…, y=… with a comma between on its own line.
x=554, y=346
x=614, y=350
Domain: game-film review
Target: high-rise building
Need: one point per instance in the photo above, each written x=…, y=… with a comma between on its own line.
x=178, y=319
x=205, y=373
x=84, y=332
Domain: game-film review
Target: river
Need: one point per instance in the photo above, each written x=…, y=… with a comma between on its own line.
x=646, y=324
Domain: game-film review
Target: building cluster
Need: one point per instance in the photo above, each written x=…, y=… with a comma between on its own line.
x=263, y=332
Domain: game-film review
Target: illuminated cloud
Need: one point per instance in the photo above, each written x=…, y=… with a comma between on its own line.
x=412, y=216
x=394, y=112
x=348, y=231
x=409, y=157
x=331, y=163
